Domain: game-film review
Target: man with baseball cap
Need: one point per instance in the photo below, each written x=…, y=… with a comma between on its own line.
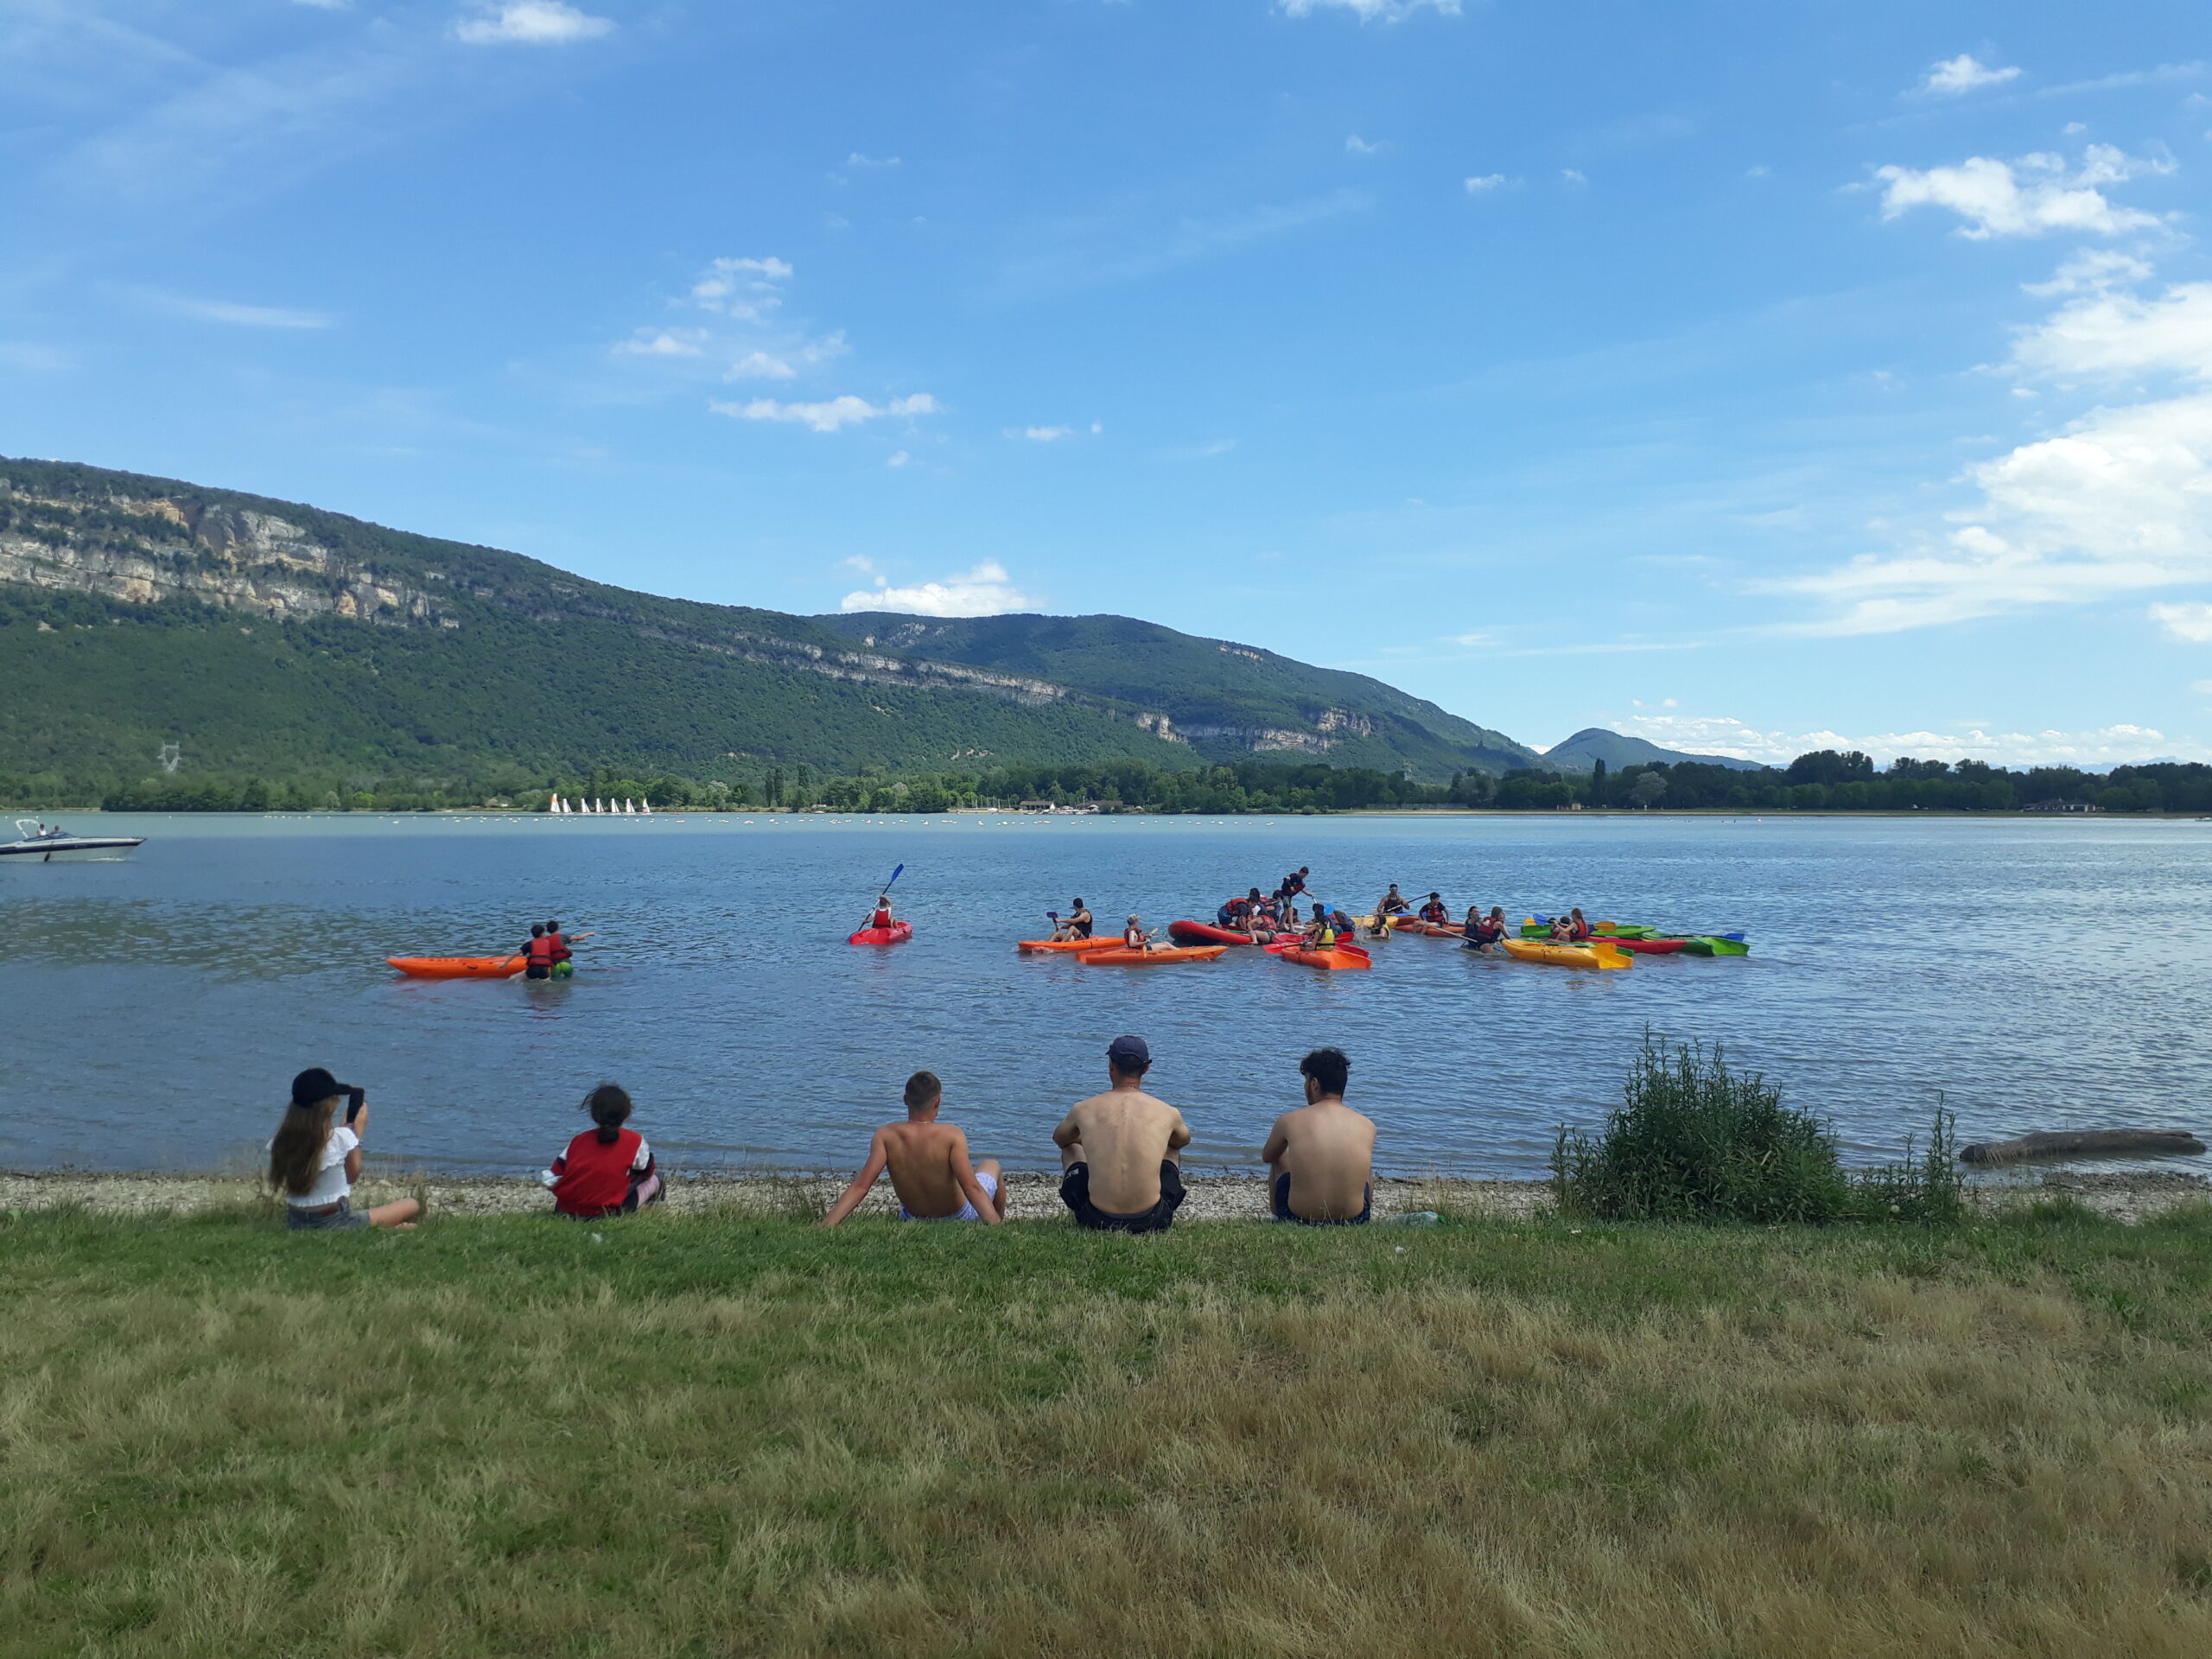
x=1120, y=1166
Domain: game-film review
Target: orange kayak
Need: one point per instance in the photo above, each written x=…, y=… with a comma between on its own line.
x=1121, y=958
x=458, y=967
x=1107, y=943
x=1427, y=929
x=1328, y=958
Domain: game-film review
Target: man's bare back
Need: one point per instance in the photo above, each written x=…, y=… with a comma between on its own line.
x=1119, y=1151
x=1320, y=1158
x=930, y=1168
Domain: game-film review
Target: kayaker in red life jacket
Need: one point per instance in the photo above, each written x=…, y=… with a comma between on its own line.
x=1436, y=912
x=555, y=937
x=1134, y=938
x=882, y=916
x=1483, y=931
x=1578, y=931
x=538, y=954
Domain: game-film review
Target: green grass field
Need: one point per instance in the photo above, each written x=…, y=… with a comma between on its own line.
x=711, y=1435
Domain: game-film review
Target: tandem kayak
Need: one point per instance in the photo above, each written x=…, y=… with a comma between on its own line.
x=1602, y=953
x=1106, y=943
x=1121, y=957
x=897, y=933
x=1337, y=957
x=1206, y=933
x=459, y=967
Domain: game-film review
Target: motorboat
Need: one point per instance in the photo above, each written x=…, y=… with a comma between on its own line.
x=45, y=843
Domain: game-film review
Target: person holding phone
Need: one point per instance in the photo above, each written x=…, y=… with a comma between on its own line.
x=315, y=1160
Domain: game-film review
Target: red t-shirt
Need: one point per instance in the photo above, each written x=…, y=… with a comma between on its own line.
x=593, y=1176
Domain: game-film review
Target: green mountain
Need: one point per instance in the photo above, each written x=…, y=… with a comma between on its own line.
x=270, y=638
x=1593, y=744
x=1228, y=702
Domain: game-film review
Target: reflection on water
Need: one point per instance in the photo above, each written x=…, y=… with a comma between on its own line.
x=2041, y=976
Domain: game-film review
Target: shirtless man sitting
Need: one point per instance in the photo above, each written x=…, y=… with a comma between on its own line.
x=1321, y=1158
x=1120, y=1168
x=929, y=1167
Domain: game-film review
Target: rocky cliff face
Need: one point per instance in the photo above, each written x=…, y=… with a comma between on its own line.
x=143, y=550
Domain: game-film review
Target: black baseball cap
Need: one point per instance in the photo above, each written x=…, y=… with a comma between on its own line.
x=314, y=1086
x=1129, y=1053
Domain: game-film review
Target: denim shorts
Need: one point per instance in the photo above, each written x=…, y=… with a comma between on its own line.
x=338, y=1220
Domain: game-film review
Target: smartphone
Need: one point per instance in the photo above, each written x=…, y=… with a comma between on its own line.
x=355, y=1099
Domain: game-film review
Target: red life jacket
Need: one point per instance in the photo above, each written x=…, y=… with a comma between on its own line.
x=1578, y=930
x=1434, y=913
x=539, y=951
x=593, y=1177
x=561, y=951
x=882, y=919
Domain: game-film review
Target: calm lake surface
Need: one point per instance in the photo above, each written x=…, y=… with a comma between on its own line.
x=153, y=1009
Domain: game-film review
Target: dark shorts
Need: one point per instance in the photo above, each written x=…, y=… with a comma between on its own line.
x=1075, y=1192
x=331, y=1221
x=1284, y=1212
x=537, y=970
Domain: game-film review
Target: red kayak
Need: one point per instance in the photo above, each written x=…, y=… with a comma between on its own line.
x=897, y=933
x=1645, y=947
x=1200, y=933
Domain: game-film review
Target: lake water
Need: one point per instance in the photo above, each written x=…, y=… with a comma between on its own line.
x=2041, y=975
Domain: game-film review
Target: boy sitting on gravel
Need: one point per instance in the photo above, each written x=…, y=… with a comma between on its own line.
x=1327, y=1146
x=929, y=1167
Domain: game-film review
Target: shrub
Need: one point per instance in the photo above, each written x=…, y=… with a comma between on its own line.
x=1697, y=1141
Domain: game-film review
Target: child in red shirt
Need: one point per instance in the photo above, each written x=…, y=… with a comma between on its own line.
x=607, y=1170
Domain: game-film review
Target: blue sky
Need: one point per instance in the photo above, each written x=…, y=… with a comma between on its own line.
x=1746, y=377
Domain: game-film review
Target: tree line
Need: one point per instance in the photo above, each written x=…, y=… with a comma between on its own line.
x=1824, y=781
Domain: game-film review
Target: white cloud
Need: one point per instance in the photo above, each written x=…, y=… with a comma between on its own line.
x=2118, y=500
x=899, y=458
x=1359, y=146
x=2024, y=197
x=858, y=160
x=664, y=342
x=830, y=415
x=1371, y=11
x=1476, y=185
x=2115, y=334
x=1963, y=75
x=532, y=23
x=759, y=366
x=1573, y=175
x=2191, y=622
x=326, y=5
x=244, y=316
x=727, y=279
x=985, y=591
x=1044, y=433
x=2093, y=270
x=1700, y=734
x=2203, y=687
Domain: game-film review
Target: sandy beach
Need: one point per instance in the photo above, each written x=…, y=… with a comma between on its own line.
x=2128, y=1196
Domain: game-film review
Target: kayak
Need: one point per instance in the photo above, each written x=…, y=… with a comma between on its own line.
x=1337, y=958
x=1205, y=933
x=1713, y=945
x=1107, y=943
x=1123, y=958
x=1426, y=930
x=897, y=933
x=1642, y=946
x=458, y=967
x=1602, y=955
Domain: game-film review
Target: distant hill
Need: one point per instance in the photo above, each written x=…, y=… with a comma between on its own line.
x=1227, y=700
x=268, y=637
x=1586, y=749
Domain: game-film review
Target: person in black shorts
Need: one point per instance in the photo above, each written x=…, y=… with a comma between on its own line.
x=1121, y=1167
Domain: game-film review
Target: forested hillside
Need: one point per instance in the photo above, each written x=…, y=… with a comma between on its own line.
x=1228, y=700
x=270, y=641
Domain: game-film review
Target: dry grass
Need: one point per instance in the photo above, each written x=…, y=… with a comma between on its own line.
x=745, y=1436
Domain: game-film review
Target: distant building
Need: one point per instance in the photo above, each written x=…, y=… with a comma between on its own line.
x=1037, y=806
x=2060, y=806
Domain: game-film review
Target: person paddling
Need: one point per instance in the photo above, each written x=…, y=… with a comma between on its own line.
x=1392, y=902
x=1079, y=922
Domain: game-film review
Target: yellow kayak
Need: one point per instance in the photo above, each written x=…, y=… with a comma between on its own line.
x=1595, y=955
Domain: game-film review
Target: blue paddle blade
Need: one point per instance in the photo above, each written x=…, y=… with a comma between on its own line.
x=895, y=874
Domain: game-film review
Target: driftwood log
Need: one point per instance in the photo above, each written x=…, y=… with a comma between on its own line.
x=2077, y=1143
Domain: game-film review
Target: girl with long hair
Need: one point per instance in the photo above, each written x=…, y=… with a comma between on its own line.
x=313, y=1161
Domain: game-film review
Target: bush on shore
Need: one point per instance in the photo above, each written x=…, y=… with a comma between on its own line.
x=1697, y=1140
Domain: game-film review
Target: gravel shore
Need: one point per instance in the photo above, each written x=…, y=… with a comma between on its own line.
x=2126, y=1196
